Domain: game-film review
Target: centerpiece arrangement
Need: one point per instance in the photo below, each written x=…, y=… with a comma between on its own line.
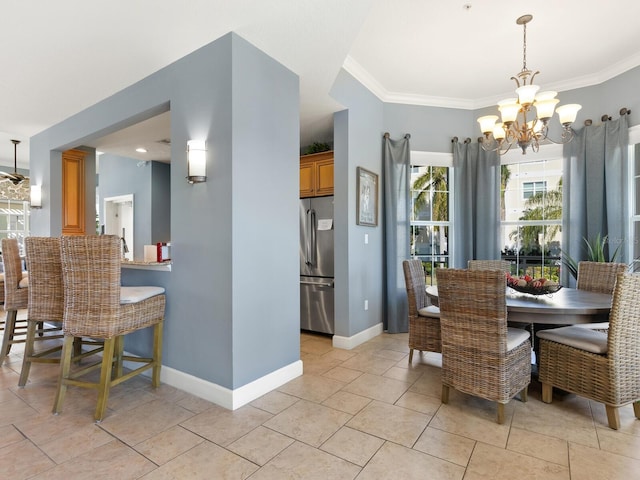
x=533, y=286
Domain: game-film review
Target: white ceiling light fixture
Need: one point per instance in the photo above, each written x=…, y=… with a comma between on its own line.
x=141, y=150
x=519, y=125
x=14, y=177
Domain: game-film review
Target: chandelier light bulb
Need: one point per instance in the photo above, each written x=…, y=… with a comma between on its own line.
x=486, y=123
x=568, y=113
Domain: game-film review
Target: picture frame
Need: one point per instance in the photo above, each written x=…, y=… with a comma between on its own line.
x=367, y=204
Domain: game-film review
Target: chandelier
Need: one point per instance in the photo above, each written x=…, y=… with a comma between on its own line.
x=519, y=125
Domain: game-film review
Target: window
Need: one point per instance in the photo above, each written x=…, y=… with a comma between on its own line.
x=14, y=220
x=431, y=194
x=529, y=189
x=531, y=213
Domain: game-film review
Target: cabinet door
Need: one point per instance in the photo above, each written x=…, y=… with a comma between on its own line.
x=73, y=211
x=307, y=179
x=324, y=177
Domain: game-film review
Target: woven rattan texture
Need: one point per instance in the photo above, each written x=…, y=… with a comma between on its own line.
x=424, y=333
x=614, y=378
x=473, y=318
x=46, y=294
x=91, y=276
x=14, y=298
x=599, y=276
x=502, y=265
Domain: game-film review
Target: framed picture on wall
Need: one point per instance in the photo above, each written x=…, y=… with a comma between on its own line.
x=367, y=206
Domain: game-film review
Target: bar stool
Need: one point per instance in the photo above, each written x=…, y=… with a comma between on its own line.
x=96, y=306
x=15, y=296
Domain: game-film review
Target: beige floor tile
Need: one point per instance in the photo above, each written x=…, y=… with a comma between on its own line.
x=347, y=402
x=619, y=442
x=143, y=422
x=44, y=427
x=403, y=374
x=369, y=363
x=342, y=374
x=194, y=404
x=22, y=459
x=167, y=445
x=9, y=435
x=300, y=461
x=312, y=387
x=319, y=365
x=204, y=462
x=260, y=445
x=430, y=383
x=223, y=426
x=316, y=346
x=492, y=463
x=628, y=422
x=75, y=442
x=113, y=460
x=377, y=388
x=390, y=354
x=308, y=422
x=568, y=419
x=419, y=403
x=592, y=464
x=352, y=445
x=547, y=448
x=447, y=446
x=473, y=418
x=396, y=424
x=14, y=410
x=339, y=354
x=395, y=461
x=274, y=402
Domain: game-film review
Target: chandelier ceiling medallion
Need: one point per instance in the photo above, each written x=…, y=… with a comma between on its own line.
x=518, y=124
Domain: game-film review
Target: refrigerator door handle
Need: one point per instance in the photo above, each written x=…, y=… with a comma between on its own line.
x=307, y=246
x=319, y=284
x=314, y=247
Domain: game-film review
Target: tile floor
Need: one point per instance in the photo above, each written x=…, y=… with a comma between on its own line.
x=360, y=414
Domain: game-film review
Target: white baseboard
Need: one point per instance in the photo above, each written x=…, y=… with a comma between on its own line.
x=230, y=399
x=348, y=343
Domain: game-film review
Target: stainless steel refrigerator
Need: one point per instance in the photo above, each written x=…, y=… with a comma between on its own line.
x=316, y=264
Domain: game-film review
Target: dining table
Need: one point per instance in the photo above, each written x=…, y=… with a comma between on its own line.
x=567, y=306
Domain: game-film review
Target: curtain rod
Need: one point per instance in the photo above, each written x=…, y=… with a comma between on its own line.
x=607, y=118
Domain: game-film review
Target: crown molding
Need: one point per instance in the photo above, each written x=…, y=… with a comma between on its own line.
x=372, y=84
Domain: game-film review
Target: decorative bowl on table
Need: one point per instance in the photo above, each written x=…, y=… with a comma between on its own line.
x=533, y=286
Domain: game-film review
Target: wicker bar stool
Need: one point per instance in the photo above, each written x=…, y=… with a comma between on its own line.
x=96, y=306
x=502, y=265
x=15, y=296
x=424, y=320
x=481, y=356
x=600, y=366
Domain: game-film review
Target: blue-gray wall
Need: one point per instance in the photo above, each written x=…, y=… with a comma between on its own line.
x=150, y=184
x=232, y=303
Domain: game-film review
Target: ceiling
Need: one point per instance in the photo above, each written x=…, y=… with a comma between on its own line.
x=62, y=57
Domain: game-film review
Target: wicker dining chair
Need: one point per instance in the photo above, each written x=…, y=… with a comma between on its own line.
x=603, y=367
x=599, y=276
x=481, y=356
x=96, y=306
x=424, y=319
x=502, y=265
x=46, y=306
x=15, y=296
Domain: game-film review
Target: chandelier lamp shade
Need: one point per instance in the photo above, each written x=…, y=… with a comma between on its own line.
x=524, y=119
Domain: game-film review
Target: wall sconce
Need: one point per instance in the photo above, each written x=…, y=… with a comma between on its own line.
x=36, y=196
x=196, y=161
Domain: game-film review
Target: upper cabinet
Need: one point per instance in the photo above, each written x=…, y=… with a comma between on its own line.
x=73, y=195
x=316, y=175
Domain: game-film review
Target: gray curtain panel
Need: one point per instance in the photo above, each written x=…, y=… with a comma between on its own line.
x=397, y=219
x=595, y=193
x=477, y=204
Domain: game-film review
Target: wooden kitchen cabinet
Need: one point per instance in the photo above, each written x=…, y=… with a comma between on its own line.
x=73, y=195
x=316, y=175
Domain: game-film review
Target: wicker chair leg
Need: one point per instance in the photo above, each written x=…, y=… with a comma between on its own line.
x=524, y=395
x=7, y=338
x=105, y=377
x=118, y=351
x=28, y=353
x=410, y=356
x=613, y=417
x=547, y=393
x=157, y=354
x=636, y=409
x=500, y=418
x=445, y=394
x=65, y=367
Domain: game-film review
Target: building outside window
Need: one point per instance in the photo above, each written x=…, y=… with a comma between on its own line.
x=530, y=189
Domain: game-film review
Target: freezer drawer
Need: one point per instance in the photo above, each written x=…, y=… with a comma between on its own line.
x=317, y=304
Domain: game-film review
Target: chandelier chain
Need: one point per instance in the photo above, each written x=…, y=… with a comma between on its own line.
x=524, y=48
